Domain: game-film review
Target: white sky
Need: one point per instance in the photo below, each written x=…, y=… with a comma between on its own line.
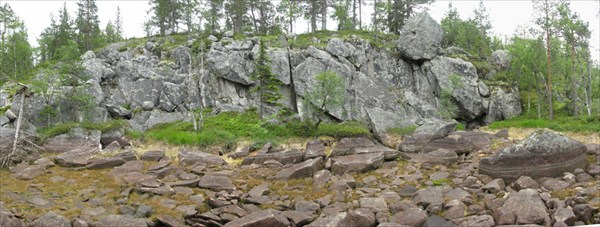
x=505, y=16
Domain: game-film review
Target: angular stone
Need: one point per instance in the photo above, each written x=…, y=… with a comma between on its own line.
x=479, y=139
x=432, y=196
x=555, y=185
x=260, y=218
x=76, y=158
x=411, y=217
x=376, y=204
x=543, y=154
x=77, y=138
x=329, y=220
x=188, y=157
x=128, y=167
x=583, y=212
x=427, y=132
x=565, y=215
x=421, y=37
x=301, y=170
x=240, y=152
x=454, y=143
x=285, y=157
x=361, y=145
x=169, y=221
x=153, y=156
x=30, y=172
x=359, y=217
x=298, y=218
x=478, y=220
x=525, y=182
x=523, y=207
x=437, y=221
x=494, y=186
x=51, y=219
x=121, y=221
x=216, y=183
x=162, y=190
x=103, y=163
x=314, y=149
x=358, y=163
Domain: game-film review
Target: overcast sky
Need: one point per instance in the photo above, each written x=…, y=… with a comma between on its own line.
x=506, y=16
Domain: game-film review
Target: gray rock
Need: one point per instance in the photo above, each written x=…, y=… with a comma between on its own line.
x=376, y=204
x=437, y=221
x=565, y=215
x=455, y=142
x=555, y=185
x=228, y=34
x=525, y=182
x=523, y=207
x=301, y=170
x=411, y=217
x=454, y=209
x=330, y=220
x=427, y=132
x=76, y=158
x=421, y=37
x=77, y=138
x=192, y=157
x=284, y=157
x=240, y=152
x=494, y=186
x=216, y=183
x=120, y=220
x=104, y=163
x=260, y=218
x=358, y=163
x=306, y=206
x=478, y=220
x=169, y=221
x=543, y=154
x=153, y=156
x=143, y=211
x=359, y=217
x=430, y=197
x=583, y=212
x=51, y=219
x=500, y=59
x=297, y=218
x=30, y=172
x=118, y=111
x=339, y=48
x=314, y=149
x=361, y=145
x=321, y=177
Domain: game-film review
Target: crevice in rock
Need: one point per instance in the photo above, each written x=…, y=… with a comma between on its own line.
x=293, y=100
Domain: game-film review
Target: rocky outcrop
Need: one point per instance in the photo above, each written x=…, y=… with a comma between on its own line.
x=543, y=154
x=147, y=86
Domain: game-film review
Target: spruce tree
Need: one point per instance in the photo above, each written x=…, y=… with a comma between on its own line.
x=267, y=84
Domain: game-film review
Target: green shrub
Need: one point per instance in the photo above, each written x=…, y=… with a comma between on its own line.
x=4, y=109
x=345, y=129
x=461, y=126
x=399, y=131
x=558, y=124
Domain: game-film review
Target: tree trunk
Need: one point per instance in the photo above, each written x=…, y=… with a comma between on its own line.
x=375, y=22
x=588, y=88
x=324, y=15
x=549, y=88
x=354, y=13
x=291, y=15
x=313, y=16
x=574, y=95
x=18, y=127
x=253, y=17
x=360, y=14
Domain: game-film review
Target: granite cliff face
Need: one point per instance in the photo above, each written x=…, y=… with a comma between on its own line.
x=384, y=88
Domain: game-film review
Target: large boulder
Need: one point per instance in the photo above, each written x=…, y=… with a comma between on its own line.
x=192, y=157
x=421, y=37
x=500, y=59
x=523, y=207
x=361, y=145
x=76, y=138
x=358, y=163
x=543, y=154
x=301, y=170
x=432, y=130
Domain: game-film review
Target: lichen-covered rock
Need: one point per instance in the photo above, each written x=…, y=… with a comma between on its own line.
x=543, y=154
x=500, y=59
x=421, y=37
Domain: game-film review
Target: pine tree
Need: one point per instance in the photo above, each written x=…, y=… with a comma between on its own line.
x=88, y=25
x=546, y=10
x=166, y=15
x=119, y=24
x=267, y=84
x=15, y=51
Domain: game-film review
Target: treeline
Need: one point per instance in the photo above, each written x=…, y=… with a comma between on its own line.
x=264, y=17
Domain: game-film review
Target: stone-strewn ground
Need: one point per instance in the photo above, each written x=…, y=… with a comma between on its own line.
x=352, y=182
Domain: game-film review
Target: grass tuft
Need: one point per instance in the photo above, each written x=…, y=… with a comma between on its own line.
x=562, y=124
x=402, y=131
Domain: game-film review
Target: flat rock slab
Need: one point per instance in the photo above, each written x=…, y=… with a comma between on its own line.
x=543, y=154
x=456, y=143
x=188, y=157
x=216, y=183
x=269, y=218
x=103, y=163
x=427, y=132
x=358, y=163
x=301, y=170
x=77, y=138
x=284, y=157
x=121, y=221
x=361, y=145
x=76, y=158
x=523, y=207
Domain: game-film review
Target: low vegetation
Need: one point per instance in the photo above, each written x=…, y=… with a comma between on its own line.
x=230, y=127
x=562, y=124
x=402, y=131
x=66, y=127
